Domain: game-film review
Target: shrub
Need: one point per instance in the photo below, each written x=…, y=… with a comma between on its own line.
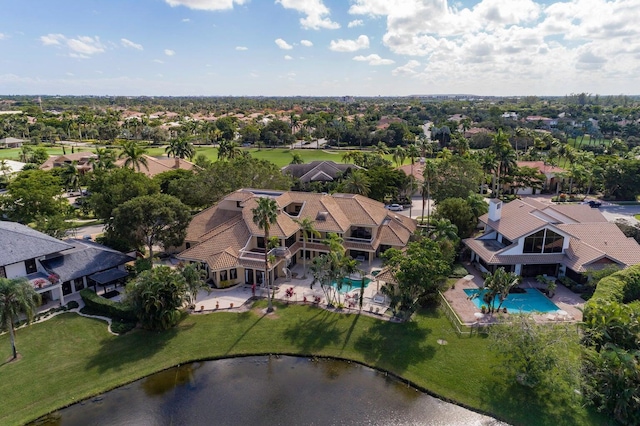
x=106, y=307
x=73, y=305
x=459, y=271
x=122, y=327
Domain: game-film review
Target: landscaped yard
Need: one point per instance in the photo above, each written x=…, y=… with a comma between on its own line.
x=68, y=358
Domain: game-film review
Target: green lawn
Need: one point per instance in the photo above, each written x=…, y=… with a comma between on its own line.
x=280, y=156
x=69, y=358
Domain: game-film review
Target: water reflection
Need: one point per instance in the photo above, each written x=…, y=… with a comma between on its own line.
x=267, y=390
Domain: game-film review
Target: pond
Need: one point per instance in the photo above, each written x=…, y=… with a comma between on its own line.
x=267, y=390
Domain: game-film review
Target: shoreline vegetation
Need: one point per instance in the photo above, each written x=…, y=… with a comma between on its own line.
x=70, y=358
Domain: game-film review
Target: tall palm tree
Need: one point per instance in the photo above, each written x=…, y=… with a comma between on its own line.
x=180, y=148
x=412, y=152
x=505, y=157
x=399, y=155
x=381, y=149
x=498, y=285
x=429, y=173
x=265, y=214
x=105, y=160
x=17, y=297
x=307, y=228
x=71, y=176
x=228, y=150
x=134, y=155
x=357, y=183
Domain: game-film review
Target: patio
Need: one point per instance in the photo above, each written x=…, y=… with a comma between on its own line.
x=568, y=303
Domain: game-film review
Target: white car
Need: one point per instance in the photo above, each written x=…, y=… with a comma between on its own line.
x=394, y=207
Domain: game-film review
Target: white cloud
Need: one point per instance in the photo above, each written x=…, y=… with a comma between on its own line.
x=158, y=61
x=186, y=20
x=169, y=52
x=81, y=47
x=3, y=36
x=242, y=48
x=317, y=13
x=206, y=4
x=129, y=43
x=355, y=23
x=503, y=46
x=341, y=45
x=52, y=39
x=283, y=44
x=373, y=59
x=288, y=58
x=407, y=69
x=306, y=43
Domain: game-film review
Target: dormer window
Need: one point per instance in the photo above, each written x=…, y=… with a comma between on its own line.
x=543, y=241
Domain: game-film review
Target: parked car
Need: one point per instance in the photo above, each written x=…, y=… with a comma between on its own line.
x=394, y=207
x=594, y=204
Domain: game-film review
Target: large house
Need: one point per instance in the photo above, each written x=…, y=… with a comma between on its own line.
x=230, y=246
x=530, y=238
x=157, y=165
x=82, y=160
x=56, y=268
x=11, y=142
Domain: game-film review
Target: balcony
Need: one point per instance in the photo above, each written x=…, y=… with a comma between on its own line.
x=257, y=254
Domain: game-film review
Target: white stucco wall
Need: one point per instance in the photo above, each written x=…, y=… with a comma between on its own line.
x=15, y=270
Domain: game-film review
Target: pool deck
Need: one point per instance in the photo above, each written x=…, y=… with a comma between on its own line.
x=469, y=314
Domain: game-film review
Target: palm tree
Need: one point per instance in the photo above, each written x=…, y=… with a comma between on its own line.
x=429, y=173
x=105, y=160
x=412, y=153
x=180, y=148
x=265, y=214
x=505, y=157
x=296, y=158
x=498, y=285
x=17, y=297
x=443, y=230
x=357, y=183
x=134, y=155
x=381, y=149
x=71, y=177
x=399, y=155
x=228, y=150
x=307, y=228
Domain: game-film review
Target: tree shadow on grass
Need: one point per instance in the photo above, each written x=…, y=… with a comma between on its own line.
x=395, y=346
x=243, y=318
x=523, y=405
x=114, y=353
x=314, y=333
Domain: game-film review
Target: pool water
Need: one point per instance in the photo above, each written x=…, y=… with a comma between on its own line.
x=524, y=303
x=351, y=284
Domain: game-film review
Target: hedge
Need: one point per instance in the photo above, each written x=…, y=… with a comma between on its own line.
x=109, y=308
x=620, y=287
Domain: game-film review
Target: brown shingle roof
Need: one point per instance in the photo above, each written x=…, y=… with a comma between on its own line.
x=222, y=231
x=155, y=166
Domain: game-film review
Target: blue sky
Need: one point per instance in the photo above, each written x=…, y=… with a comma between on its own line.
x=319, y=47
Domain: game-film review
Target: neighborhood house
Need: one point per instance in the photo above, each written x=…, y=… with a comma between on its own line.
x=230, y=246
x=530, y=239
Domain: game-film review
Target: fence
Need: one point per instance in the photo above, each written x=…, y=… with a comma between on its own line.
x=458, y=325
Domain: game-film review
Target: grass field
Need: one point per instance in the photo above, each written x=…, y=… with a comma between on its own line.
x=69, y=358
x=280, y=156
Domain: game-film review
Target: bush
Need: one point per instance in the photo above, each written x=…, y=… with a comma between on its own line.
x=106, y=307
x=458, y=271
x=122, y=327
x=73, y=305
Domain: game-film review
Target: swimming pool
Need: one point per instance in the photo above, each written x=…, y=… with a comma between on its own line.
x=524, y=303
x=351, y=284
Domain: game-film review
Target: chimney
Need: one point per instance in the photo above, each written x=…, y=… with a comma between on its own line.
x=495, y=209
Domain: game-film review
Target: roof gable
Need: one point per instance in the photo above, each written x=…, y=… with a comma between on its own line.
x=20, y=243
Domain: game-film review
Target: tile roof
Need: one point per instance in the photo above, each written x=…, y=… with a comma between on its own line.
x=318, y=170
x=83, y=259
x=81, y=157
x=20, y=243
x=221, y=231
x=593, y=240
x=157, y=165
x=541, y=166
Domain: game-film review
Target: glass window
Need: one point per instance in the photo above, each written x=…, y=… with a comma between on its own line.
x=553, y=242
x=30, y=266
x=3, y=273
x=223, y=275
x=233, y=274
x=543, y=241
